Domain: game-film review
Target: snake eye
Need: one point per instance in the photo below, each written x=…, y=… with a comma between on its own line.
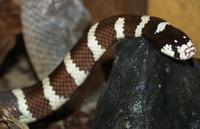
x=175, y=41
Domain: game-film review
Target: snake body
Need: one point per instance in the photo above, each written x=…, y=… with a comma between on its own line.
x=35, y=102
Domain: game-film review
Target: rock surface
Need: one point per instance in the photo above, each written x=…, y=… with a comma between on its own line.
x=148, y=90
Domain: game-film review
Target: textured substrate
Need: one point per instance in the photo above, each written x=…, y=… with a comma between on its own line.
x=148, y=90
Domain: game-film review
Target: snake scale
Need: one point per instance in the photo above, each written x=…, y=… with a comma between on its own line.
x=35, y=102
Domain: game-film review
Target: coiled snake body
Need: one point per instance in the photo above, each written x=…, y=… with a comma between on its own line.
x=35, y=102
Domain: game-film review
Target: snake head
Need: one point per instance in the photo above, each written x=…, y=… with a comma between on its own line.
x=178, y=45
x=181, y=52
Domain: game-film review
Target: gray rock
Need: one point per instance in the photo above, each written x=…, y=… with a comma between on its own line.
x=148, y=90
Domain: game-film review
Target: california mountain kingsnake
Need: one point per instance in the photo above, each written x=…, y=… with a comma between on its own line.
x=37, y=101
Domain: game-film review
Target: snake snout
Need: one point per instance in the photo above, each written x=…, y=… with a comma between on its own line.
x=186, y=51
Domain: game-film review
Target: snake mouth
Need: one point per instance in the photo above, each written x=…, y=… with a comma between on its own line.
x=187, y=54
x=190, y=52
x=186, y=51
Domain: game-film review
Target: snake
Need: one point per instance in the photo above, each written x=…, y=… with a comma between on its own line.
x=32, y=103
